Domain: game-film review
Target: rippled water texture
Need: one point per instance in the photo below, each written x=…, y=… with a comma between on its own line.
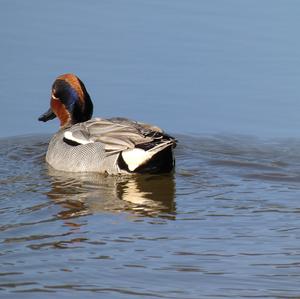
x=225, y=224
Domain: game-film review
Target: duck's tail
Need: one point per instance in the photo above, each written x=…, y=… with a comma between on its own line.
x=146, y=159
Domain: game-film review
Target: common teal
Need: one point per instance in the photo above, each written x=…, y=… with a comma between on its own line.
x=114, y=146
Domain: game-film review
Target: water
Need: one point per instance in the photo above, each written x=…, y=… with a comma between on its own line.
x=188, y=66
x=222, y=76
x=226, y=224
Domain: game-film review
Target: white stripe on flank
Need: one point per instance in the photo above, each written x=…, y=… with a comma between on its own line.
x=69, y=135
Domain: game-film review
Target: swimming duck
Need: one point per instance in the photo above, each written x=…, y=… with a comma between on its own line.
x=114, y=146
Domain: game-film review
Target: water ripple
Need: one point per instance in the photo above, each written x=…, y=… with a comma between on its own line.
x=226, y=222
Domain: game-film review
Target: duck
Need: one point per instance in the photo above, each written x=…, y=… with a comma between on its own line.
x=113, y=146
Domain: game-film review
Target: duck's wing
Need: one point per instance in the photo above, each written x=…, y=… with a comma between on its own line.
x=146, y=128
x=116, y=134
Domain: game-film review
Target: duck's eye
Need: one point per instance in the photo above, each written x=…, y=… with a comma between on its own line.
x=54, y=96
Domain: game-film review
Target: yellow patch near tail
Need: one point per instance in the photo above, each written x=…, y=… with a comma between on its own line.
x=136, y=157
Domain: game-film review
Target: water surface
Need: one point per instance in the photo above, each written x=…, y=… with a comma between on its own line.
x=188, y=66
x=225, y=224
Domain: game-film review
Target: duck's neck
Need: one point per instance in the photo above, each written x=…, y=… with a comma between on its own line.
x=82, y=111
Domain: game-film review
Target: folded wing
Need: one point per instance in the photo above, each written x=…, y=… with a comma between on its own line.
x=118, y=134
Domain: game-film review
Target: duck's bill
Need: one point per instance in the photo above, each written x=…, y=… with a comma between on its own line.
x=47, y=115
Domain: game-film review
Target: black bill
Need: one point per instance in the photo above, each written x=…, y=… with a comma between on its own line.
x=47, y=115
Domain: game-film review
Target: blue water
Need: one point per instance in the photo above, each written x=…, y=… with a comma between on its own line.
x=221, y=76
x=189, y=66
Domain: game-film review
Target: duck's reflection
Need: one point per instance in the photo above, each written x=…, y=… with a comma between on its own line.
x=86, y=193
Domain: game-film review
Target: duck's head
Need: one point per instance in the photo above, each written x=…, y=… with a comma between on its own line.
x=70, y=101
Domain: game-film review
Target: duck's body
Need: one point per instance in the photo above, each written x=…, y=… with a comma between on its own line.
x=113, y=146
x=110, y=146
